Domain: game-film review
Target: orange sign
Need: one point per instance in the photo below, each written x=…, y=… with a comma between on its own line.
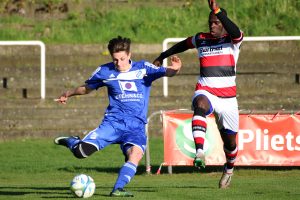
x=263, y=140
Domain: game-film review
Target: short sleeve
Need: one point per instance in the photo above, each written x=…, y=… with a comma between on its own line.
x=95, y=81
x=153, y=72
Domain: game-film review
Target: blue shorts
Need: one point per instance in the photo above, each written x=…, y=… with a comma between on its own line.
x=127, y=132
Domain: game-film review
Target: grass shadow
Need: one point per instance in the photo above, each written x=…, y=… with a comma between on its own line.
x=212, y=169
x=43, y=192
x=176, y=169
x=63, y=192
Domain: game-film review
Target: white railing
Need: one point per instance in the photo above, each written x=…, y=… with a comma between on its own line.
x=172, y=40
x=43, y=59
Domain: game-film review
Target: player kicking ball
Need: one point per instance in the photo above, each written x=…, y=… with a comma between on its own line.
x=128, y=84
x=215, y=91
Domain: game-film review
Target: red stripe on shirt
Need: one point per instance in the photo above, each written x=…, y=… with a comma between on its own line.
x=220, y=92
x=217, y=60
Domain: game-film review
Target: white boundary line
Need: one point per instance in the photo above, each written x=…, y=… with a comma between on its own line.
x=43, y=60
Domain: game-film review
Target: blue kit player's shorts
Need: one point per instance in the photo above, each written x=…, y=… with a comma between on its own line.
x=127, y=132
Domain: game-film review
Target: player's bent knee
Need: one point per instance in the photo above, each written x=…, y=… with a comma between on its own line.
x=229, y=139
x=134, y=155
x=83, y=150
x=199, y=111
x=230, y=146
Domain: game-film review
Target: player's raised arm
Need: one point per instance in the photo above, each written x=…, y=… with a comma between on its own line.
x=177, y=48
x=81, y=90
x=175, y=66
x=213, y=5
x=231, y=28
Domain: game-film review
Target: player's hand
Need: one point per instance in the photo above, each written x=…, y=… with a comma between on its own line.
x=213, y=5
x=176, y=63
x=174, y=68
x=158, y=62
x=62, y=99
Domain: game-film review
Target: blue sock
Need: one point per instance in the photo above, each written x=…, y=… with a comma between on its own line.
x=126, y=173
x=72, y=142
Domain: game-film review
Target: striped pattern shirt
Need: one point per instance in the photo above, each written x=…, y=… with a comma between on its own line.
x=218, y=58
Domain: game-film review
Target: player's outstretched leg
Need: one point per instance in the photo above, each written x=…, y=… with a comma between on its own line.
x=67, y=141
x=226, y=178
x=79, y=148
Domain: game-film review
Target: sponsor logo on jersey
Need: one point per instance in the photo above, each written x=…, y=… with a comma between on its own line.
x=112, y=76
x=129, y=97
x=139, y=74
x=128, y=86
x=210, y=50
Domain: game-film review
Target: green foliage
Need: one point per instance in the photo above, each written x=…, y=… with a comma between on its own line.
x=149, y=21
x=2, y=5
x=272, y=17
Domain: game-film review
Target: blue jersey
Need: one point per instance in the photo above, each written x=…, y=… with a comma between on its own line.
x=128, y=92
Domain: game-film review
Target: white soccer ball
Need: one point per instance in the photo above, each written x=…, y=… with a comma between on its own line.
x=83, y=186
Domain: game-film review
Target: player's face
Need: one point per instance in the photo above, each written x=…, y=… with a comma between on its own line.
x=215, y=26
x=121, y=60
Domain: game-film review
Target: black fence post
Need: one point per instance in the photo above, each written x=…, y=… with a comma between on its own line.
x=4, y=82
x=297, y=78
x=24, y=93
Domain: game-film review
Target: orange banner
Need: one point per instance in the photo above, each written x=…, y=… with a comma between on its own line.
x=263, y=140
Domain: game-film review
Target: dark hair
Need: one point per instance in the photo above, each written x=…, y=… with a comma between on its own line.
x=119, y=44
x=222, y=9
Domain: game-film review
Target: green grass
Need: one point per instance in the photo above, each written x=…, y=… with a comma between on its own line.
x=38, y=169
x=148, y=21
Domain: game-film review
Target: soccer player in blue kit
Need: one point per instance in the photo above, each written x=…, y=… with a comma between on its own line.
x=128, y=85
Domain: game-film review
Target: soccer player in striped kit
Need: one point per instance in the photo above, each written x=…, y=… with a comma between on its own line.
x=128, y=86
x=215, y=91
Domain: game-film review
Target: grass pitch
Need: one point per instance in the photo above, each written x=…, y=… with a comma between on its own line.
x=38, y=169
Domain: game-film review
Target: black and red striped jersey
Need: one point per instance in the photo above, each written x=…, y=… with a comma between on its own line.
x=217, y=58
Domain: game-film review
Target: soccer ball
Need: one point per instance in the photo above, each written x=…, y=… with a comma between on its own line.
x=83, y=186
